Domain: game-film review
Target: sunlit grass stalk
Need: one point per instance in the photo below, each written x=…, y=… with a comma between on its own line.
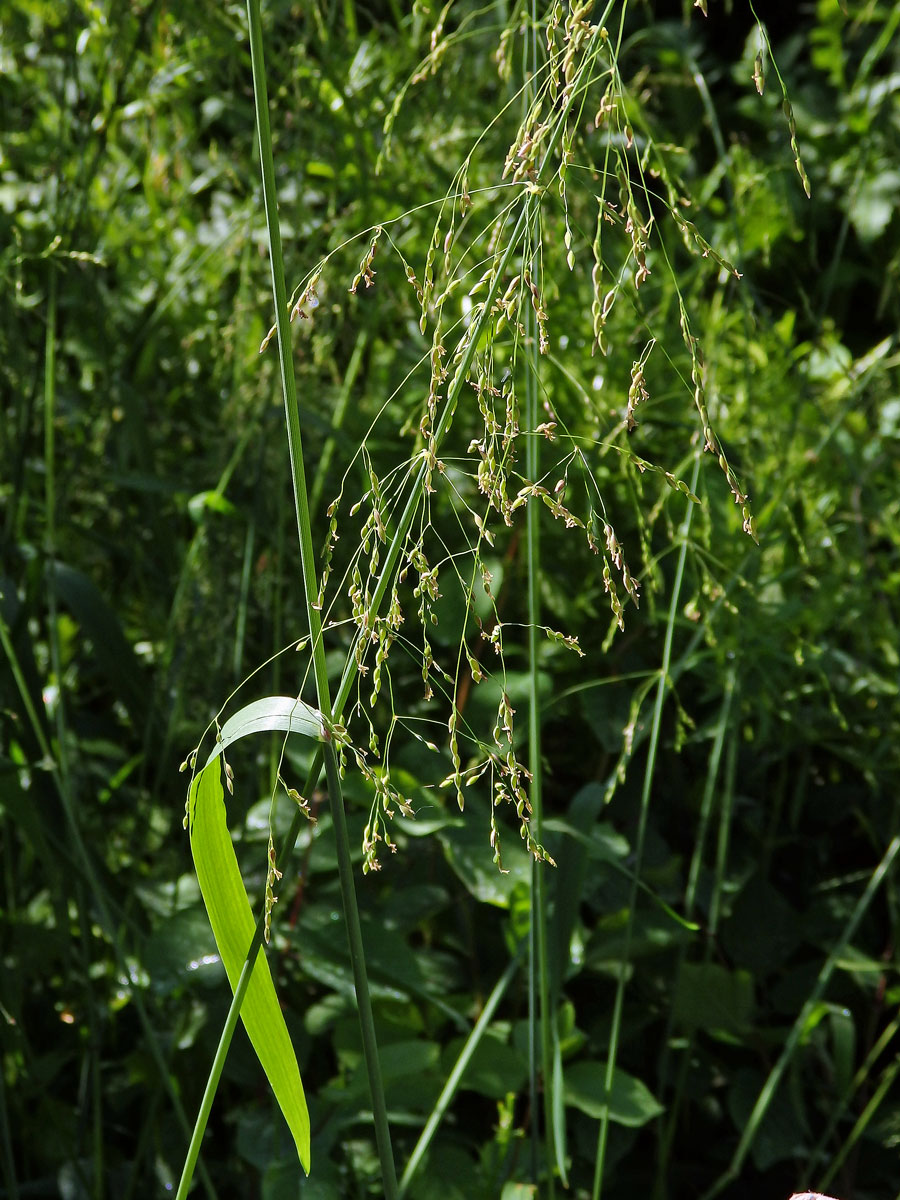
x=215, y=1073
x=538, y=972
x=539, y=975
x=655, y=726
x=307, y=556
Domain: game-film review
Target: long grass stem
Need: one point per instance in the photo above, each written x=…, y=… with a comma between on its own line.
x=304, y=530
x=215, y=1073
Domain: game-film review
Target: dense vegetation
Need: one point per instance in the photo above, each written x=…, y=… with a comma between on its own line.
x=605, y=408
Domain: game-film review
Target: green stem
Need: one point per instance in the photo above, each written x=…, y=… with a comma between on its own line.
x=862, y=1122
x=215, y=1073
x=539, y=973
x=93, y=1049
x=538, y=904
x=836, y=1113
x=667, y=1131
x=9, y=1170
x=340, y=410
x=307, y=556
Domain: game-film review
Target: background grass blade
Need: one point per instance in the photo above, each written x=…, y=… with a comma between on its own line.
x=455, y=1076
x=793, y=1039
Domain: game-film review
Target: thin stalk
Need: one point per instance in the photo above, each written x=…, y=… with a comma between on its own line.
x=862, y=1122
x=215, y=1073
x=453, y=1079
x=724, y=839
x=89, y=1092
x=837, y=1111
x=538, y=973
x=307, y=556
x=661, y=689
x=277, y=615
x=237, y=654
x=10, y=1182
x=709, y=790
x=537, y=1063
x=166, y=680
x=143, y=1154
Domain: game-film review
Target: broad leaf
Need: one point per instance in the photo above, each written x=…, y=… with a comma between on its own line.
x=711, y=997
x=630, y=1101
x=466, y=848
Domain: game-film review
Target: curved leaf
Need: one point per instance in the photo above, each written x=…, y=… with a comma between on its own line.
x=233, y=927
x=285, y=714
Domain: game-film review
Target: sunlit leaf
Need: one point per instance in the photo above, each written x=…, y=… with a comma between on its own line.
x=233, y=926
x=284, y=714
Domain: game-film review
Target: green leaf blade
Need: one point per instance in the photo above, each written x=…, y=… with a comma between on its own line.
x=233, y=926
x=272, y=714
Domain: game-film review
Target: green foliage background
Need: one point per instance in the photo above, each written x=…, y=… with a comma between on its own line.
x=149, y=566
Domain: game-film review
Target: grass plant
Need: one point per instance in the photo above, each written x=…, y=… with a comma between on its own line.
x=580, y=47
x=556, y=302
